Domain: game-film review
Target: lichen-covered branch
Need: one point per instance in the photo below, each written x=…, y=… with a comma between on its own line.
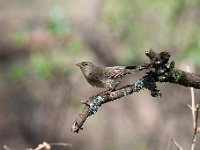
x=94, y=102
x=160, y=70
x=184, y=78
x=165, y=71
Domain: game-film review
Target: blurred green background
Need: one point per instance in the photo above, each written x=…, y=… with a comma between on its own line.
x=41, y=88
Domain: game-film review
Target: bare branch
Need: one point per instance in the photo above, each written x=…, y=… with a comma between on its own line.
x=160, y=70
x=94, y=102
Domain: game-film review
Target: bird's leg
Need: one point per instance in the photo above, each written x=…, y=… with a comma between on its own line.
x=111, y=89
x=114, y=87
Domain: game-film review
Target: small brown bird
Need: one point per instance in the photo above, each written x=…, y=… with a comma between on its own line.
x=105, y=77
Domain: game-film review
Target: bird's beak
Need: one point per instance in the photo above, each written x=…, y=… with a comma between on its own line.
x=79, y=64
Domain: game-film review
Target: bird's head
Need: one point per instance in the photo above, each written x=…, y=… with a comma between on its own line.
x=86, y=67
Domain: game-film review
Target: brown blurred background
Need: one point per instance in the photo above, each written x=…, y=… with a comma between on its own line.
x=41, y=88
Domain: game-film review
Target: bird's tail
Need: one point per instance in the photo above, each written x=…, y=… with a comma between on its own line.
x=137, y=67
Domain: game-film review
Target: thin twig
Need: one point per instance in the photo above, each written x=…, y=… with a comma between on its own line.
x=61, y=144
x=198, y=129
x=6, y=147
x=176, y=144
x=169, y=144
x=48, y=146
x=44, y=146
x=193, y=109
x=195, y=129
x=195, y=112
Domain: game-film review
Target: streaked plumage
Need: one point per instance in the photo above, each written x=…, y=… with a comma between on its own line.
x=104, y=77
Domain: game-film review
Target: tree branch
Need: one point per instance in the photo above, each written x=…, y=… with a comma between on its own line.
x=160, y=70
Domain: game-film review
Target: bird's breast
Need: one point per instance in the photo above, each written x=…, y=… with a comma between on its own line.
x=96, y=83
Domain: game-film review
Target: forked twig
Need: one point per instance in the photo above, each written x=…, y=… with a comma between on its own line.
x=195, y=112
x=172, y=140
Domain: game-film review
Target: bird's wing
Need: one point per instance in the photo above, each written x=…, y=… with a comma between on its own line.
x=116, y=72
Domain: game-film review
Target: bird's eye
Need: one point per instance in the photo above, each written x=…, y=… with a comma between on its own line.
x=85, y=64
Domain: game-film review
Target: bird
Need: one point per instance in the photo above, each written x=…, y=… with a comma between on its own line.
x=105, y=77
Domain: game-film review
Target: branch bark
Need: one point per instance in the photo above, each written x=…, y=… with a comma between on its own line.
x=160, y=70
